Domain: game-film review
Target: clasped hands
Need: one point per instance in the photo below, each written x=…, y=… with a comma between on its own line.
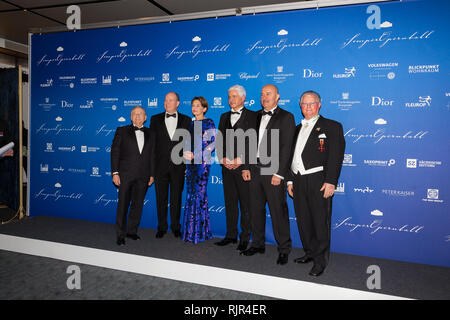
x=231, y=164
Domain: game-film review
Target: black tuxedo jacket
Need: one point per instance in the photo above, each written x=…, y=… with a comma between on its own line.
x=125, y=156
x=164, y=144
x=246, y=121
x=333, y=148
x=285, y=123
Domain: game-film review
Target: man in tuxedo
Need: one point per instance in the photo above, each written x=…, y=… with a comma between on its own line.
x=234, y=158
x=275, y=129
x=132, y=167
x=167, y=173
x=316, y=161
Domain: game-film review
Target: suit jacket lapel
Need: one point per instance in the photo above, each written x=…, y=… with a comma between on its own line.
x=273, y=118
x=163, y=124
x=133, y=137
x=241, y=119
x=258, y=122
x=313, y=135
x=146, y=139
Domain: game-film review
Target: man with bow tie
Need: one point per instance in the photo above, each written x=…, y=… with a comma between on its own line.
x=132, y=167
x=168, y=175
x=234, y=155
x=275, y=130
x=316, y=162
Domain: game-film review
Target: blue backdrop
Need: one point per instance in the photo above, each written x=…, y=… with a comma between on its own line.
x=382, y=71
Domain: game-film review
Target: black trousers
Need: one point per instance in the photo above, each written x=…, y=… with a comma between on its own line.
x=237, y=195
x=131, y=196
x=313, y=214
x=173, y=179
x=262, y=192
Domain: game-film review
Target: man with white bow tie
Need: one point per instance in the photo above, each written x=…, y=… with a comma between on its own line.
x=317, y=155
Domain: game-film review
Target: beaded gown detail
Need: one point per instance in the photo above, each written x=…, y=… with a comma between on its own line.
x=196, y=227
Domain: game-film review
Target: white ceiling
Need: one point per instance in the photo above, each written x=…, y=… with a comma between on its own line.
x=17, y=17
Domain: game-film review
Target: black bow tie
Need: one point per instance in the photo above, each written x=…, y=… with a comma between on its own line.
x=237, y=112
x=171, y=115
x=267, y=113
x=136, y=128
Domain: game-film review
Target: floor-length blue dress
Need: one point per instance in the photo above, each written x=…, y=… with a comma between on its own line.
x=196, y=227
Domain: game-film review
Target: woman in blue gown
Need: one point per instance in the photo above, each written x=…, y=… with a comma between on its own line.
x=196, y=227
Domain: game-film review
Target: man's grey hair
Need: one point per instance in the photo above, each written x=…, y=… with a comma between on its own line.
x=240, y=89
x=310, y=92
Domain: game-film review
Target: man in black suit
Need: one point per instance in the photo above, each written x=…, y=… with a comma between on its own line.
x=167, y=173
x=275, y=129
x=132, y=167
x=317, y=155
x=234, y=158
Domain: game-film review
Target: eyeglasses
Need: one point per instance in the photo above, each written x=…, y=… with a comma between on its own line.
x=308, y=104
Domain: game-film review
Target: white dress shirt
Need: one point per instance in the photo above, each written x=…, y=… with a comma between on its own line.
x=171, y=124
x=235, y=117
x=140, y=139
x=262, y=127
x=297, y=165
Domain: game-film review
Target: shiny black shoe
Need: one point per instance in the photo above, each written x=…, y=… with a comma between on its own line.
x=120, y=241
x=160, y=234
x=242, y=246
x=304, y=259
x=316, y=271
x=251, y=251
x=133, y=236
x=225, y=242
x=282, y=258
x=177, y=233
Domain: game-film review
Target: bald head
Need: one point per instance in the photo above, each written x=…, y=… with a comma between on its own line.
x=269, y=97
x=171, y=102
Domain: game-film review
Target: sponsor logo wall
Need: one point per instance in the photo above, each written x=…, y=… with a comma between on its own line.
x=384, y=75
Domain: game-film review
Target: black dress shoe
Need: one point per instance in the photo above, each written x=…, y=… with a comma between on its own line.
x=120, y=241
x=133, y=236
x=252, y=251
x=242, y=246
x=177, y=233
x=282, y=258
x=160, y=234
x=225, y=241
x=304, y=259
x=316, y=271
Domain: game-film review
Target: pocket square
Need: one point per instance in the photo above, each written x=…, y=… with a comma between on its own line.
x=322, y=136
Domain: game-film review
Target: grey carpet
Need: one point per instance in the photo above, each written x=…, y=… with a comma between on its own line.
x=349, y=271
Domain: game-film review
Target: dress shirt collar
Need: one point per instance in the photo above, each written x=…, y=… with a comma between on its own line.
x=310, y=121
